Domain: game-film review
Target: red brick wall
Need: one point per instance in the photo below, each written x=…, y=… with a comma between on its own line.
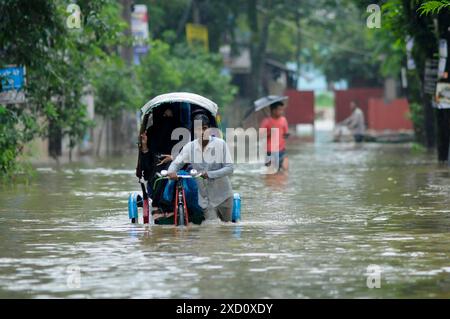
x=300, y=107
x=342, y=99
x=391, y=116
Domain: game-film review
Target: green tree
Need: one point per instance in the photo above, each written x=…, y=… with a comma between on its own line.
x=201, y=72
x=425, y=24
x=35, y=34
x=434, y=7
x=181, y=68
x=440, y=12
x=115, y=90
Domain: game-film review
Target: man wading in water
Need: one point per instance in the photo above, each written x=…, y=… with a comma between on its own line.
x=210, y=156
x=277, y=151
x=355, y=122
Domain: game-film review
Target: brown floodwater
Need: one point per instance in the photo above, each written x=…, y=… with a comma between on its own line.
x=311, y=233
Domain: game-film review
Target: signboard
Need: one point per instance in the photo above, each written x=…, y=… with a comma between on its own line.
x=139, y=31
x=431, y=75
x=443, y=96
x=197, y=34
x=12, y=81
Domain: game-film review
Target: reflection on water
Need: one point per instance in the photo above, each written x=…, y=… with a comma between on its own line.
x=276, y=182
x=310, y=233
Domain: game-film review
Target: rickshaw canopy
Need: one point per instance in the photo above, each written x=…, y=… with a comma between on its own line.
x=175, y=97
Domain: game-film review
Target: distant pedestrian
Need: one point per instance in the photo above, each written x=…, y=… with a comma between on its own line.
x=278, y=121
x=355, y=122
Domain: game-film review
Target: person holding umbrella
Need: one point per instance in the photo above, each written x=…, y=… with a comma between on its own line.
x=276, y=151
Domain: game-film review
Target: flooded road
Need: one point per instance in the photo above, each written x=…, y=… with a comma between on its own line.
x=309, y=234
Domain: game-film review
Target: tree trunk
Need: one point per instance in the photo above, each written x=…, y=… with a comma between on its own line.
x=443, y=116
x=184, y=19
x=54, y=140
x=298, y=45
x=424, y=48
x=443, y=136
x=100, y=136
x=258, y=46
x=119, y=136
x=195, y=12
x=70, y=151
x=127, y=50
x=429, y=117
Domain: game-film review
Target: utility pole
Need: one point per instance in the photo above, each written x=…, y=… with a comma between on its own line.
x=443, y=115
x=298, y=43
x=127, y=50
x=195, y=12
x=184, y=19
x=119, y=130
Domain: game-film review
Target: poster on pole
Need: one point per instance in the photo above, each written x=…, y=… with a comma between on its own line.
x=12, y=82
x=443, y=95
x=139, y=31
x=431, y=76
x=197, y=34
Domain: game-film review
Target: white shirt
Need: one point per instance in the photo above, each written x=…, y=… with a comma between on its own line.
x=215, y=159
x=356, y=121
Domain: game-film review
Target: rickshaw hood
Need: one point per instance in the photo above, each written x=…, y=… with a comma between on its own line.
x=180, y=97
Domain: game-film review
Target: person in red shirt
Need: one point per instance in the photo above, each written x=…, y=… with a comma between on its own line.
x=278, y=121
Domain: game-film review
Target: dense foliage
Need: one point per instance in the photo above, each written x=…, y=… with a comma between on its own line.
x=64, y=63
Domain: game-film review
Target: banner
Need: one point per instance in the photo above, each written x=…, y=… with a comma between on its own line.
x=139, y=31
x=443, y=95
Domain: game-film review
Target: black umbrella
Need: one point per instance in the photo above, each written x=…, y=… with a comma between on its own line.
x=267, y=101
x=264, y=102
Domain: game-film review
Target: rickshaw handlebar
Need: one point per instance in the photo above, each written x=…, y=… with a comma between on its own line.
x=192, y=174
x=164, y=175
